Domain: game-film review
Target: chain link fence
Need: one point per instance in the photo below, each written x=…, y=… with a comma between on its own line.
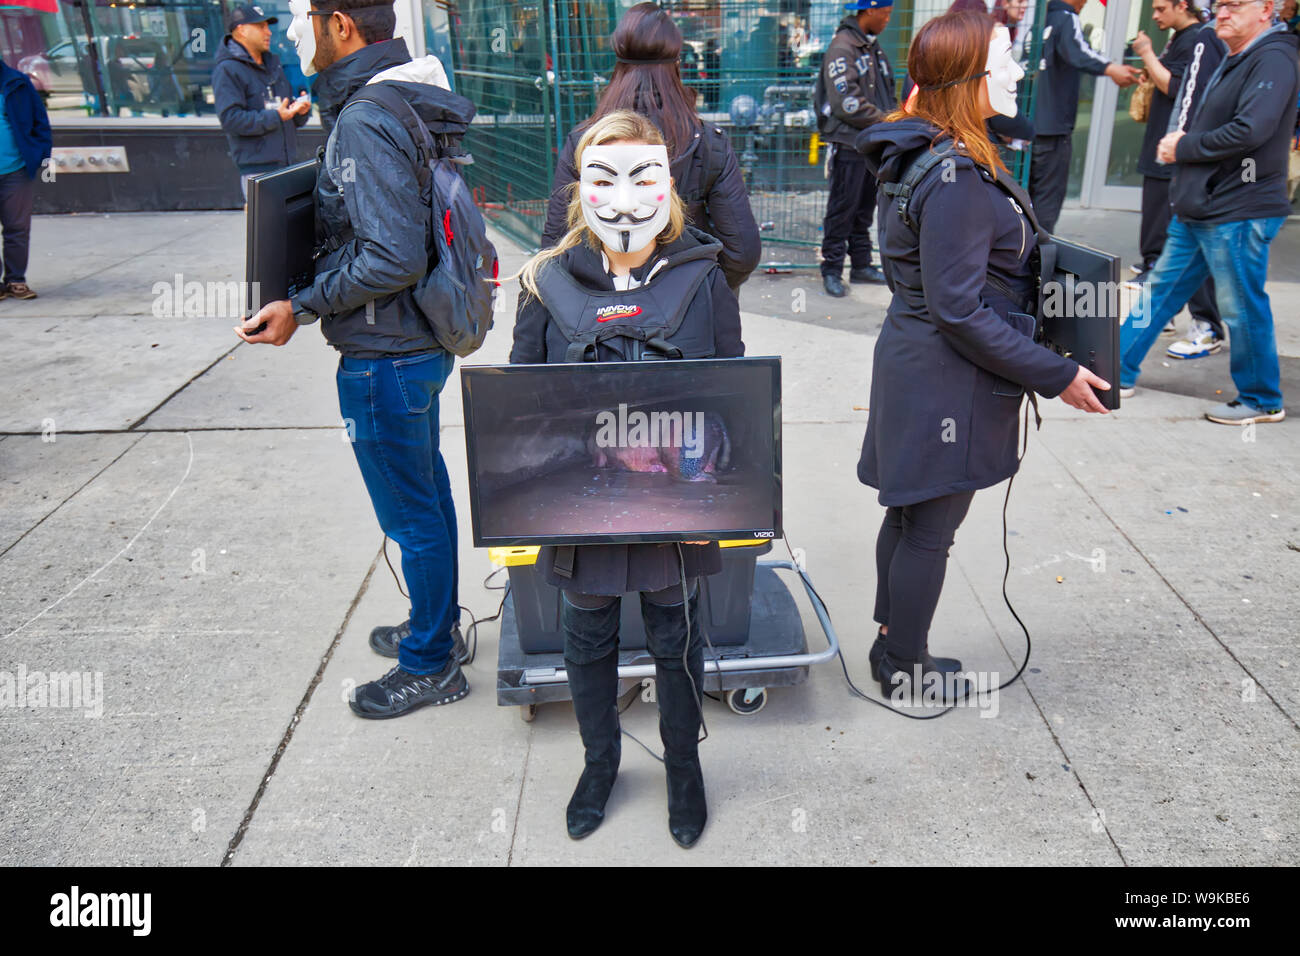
x=536, y=68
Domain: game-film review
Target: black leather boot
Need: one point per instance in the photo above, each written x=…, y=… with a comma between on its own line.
x=679, y=691
x=948, y=665
x=594, y=689
x=916, y=681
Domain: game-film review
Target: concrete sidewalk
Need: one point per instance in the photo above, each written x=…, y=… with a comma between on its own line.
x=182, y=518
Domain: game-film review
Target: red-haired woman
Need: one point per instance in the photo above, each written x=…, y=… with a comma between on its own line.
x=956, y=351
x=705, y=172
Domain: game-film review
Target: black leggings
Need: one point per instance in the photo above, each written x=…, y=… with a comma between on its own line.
x=911, y=558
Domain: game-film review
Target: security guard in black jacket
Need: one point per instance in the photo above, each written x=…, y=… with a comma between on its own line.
x=854, y=89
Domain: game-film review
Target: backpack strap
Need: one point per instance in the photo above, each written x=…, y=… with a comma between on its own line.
x=901, y=191
x=387, y=98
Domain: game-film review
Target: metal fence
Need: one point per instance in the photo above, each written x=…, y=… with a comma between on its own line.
x=535, y=68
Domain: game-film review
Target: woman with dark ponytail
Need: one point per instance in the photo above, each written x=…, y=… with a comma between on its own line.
x=705, y=172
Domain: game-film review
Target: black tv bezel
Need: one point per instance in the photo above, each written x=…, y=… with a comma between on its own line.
x=771, y=363
x=268, y=195
x=1074, y=336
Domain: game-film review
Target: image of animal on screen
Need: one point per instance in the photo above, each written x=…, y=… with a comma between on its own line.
x=624, y=449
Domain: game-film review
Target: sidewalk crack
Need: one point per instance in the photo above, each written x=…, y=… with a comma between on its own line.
x=287, y=737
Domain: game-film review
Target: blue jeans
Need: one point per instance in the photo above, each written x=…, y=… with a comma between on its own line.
x=1236, y=255
x=391, y=406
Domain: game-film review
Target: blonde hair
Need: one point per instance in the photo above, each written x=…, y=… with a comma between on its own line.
x=621, y=126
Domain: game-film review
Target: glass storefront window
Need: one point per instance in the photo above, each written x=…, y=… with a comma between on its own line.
x=114, y=58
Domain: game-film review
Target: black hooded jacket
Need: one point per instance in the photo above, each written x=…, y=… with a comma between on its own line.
x=855, y=86
x=1232, y=162
x=707, y=177
x=955, y=351
x=241, y=88
x=368, y=195
x=616, y=569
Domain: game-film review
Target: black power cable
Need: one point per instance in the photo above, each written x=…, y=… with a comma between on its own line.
x=1006, y=573
x=471, y=633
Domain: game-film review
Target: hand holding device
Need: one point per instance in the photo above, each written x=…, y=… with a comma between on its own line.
x=1079, y=393
x=272, y=324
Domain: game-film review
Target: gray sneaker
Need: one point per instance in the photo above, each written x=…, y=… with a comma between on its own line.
x=385, y=639
x=1239, y=413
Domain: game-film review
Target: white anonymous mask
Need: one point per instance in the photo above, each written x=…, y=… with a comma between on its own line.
x=302, y=36
x=1004, y=73
x=625, y=193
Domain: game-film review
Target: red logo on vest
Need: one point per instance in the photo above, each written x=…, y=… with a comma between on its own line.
x=611, y=312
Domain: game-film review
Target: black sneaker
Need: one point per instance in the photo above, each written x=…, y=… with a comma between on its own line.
x=385, y=639
x=399, y=692
x=866, y=274
x=834, y=285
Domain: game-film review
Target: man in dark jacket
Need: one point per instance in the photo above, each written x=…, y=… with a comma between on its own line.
x=24, y=147
x=1179, y=75
x=372, y=219
x=854, y=89
x=1065, y=54
x=253, y=96
x=1229, y=201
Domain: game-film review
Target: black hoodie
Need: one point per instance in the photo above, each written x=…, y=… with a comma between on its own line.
x=1232, y=162
x=954, y=352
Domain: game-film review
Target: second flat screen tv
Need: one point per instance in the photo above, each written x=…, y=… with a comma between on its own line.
x=624, y=452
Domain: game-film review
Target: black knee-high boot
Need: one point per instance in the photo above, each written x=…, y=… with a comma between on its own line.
x=594, y=688
x=678, y=689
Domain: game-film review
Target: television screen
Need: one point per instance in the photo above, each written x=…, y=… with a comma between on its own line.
x=624, y=452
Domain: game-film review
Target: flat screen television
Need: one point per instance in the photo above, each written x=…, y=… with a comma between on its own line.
x=1082, y=315
x=281, y=233
x=624, y=452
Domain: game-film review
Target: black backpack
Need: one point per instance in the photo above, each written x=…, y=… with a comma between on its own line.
x=1042, y=260
x=457, y=291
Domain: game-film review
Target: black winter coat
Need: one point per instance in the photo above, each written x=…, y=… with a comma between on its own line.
x=855, y=87
x=954, y=352
x=368, y=191
x=241, y=88
x=621, y=568
x=707, y=177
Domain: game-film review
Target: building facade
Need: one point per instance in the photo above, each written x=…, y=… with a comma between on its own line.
x=138, y=75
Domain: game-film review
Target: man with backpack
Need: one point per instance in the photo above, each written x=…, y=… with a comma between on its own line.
x=382, y=293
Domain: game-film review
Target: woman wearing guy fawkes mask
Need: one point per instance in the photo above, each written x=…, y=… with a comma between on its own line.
x=956, y=352
x=626, y=230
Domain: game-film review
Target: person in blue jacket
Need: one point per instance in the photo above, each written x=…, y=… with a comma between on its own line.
x=253, y=96
x=24, y=147
x=955, y=354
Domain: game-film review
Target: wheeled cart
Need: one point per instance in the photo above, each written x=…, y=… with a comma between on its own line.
x=749, y=614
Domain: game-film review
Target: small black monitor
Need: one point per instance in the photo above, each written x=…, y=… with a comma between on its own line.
x=281, y=222
x=1082, y=309
x=624, y=452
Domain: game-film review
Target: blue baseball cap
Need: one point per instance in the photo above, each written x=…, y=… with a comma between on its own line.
x=868, y=4
x=248, y=13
